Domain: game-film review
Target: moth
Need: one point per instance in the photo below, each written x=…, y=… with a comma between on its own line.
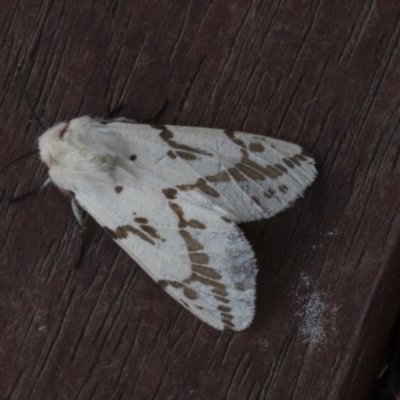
x=172, y=197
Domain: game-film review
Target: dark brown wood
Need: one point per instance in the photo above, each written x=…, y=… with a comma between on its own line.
x=322, y=74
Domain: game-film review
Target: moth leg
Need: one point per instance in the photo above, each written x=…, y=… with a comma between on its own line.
x=77, y=213
x=44, y=182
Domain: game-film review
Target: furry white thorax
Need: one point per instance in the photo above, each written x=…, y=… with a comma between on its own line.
x=81, y=154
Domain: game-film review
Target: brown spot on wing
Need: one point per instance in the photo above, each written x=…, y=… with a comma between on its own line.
x=151, y=231
x=199, y=258
x=239, y=286
x=221, y=177
x=283, y=189
x=224, y=309
x=122, y=232
x=256, y=147
x=202, y=185
x=288, y=163
x=228, y=324
x=191, y=243
x=140, y=220
x=217, y=287
x=281, y=168
x=269, y=170
x=110, y=232
x=118, y=189
x=236, y=174
x=186, y=156
x=272, y=172
x=304, y=156
x=183, y=223
x=298, y=158
x=171, y=154
x=167, y=136
x=206, y=271
x=221, y=299
x=231, y=136
x=190, y=293
x=146, y=234
x=269, y=194
x=170, y=193
x=250, y=172
x=163, y=283
x=256, y=200
x=132, y=157
x=226, y=219
x=227, y=318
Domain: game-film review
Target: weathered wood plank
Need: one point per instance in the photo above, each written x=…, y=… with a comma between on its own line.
x=323, y=74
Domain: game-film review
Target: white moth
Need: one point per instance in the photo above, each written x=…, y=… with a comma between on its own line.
x=171, y=197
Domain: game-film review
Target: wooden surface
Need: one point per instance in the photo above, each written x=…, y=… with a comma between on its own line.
x=322, y=74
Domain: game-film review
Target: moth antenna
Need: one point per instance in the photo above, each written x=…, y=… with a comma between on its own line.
x=17, y=159
x=154, y=117
x=35, y=117
x=77, y=211
x=44, y=182
x=113, y=112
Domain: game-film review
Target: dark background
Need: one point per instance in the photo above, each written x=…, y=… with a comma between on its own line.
x=324, y=74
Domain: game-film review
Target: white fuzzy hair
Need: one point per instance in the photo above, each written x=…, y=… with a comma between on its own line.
x=82, y=154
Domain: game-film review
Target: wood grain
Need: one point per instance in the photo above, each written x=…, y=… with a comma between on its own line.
x=322, y=74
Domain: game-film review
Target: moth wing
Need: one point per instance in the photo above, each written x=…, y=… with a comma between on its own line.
x=197, y=255
x=243, y=176
x=177, y=195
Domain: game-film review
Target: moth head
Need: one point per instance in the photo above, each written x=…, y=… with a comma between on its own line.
x=81, y=153
x=50, y=143
x=57, y=141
